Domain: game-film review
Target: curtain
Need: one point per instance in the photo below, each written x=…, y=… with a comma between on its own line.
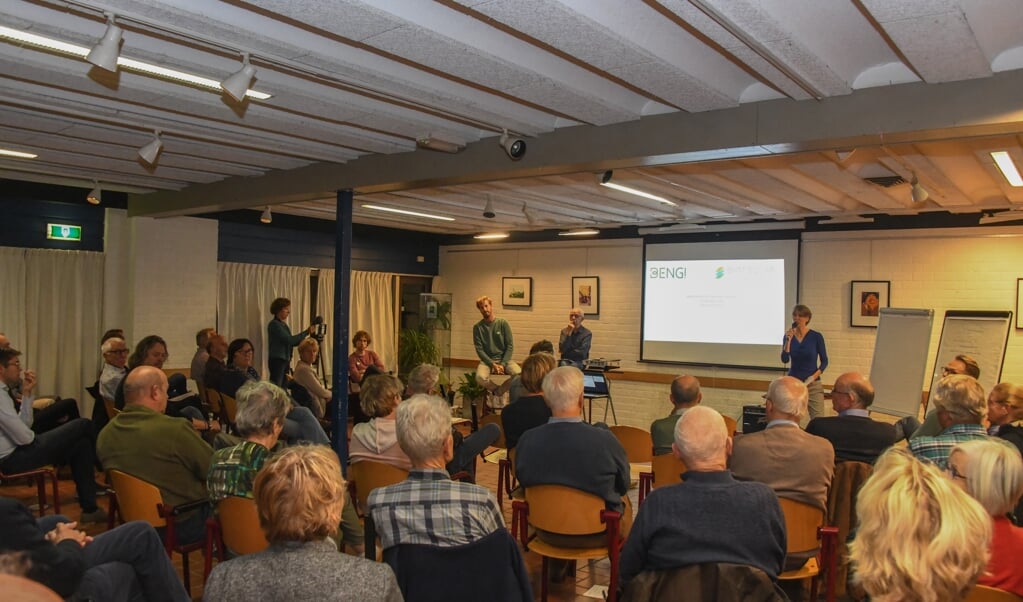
x=51, y=306
x=244, y=294
x=372, y=310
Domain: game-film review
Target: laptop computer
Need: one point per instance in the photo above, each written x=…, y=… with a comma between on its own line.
x=594, y=384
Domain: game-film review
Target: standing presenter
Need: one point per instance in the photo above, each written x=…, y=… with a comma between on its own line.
x=281, y=341
x=805, y=348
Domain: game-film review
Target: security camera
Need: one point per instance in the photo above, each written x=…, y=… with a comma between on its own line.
x=515, y=147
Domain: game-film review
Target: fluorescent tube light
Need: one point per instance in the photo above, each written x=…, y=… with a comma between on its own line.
x=10, y=153
x=406, y=212
x=491, y=236
x=437, y=144
x=1007, y=167
x=579, y=232
x=604, y=179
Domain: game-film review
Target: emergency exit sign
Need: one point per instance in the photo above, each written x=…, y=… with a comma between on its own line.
x=63, y=232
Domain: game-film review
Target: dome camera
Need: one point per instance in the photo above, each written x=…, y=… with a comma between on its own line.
x=515, y=147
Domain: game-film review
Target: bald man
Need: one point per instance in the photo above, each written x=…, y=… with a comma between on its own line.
x=685, y=394
x=165, y=451
x=853, y=434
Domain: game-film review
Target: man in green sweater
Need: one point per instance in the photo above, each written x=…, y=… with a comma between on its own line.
x=492, y=337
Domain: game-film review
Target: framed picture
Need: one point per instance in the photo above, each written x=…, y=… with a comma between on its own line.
x=1019, y=302
x=517, y=292
x=866, y=298
x=586, y=294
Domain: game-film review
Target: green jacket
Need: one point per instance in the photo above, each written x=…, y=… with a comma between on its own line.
x=281, y=340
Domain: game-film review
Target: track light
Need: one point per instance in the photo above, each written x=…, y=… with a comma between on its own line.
x=95, y=196
x=514, y=147
x=151, y=151
x=267, y=217
x=918, y=192
x=104, y=54
x=488, y=211
x=237, y=84
x=604, y=179
x=436, y=144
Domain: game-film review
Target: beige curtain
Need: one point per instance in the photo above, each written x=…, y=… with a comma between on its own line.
x=372, y=310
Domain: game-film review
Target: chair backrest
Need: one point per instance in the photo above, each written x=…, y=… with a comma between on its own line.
x=137, y=499
x=983, y=593
x=845, y=486
x=637, y=443
x=802, y=522
x=730, y=424
x=230, y=407
x=495, y=419
x=667, y=470
x=369, y=475
x=239, y=525
x=213, y=398
x=564, y=510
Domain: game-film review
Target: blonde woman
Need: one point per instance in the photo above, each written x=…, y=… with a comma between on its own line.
x=920, y=538
x=991, y=471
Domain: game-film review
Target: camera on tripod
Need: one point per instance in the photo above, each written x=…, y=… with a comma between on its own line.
x=321, y=329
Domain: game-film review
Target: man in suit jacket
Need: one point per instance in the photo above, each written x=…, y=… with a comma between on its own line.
x=795, y=464
x=852, y=433
x=685, y=394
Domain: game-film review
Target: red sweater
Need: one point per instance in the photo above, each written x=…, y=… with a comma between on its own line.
x=1004, y=570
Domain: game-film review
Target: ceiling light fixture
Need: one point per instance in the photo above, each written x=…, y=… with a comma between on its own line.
x=237, y=84
x=488, y=211
x=1002, y=216
x=918, y=192
x=436, y=144
x=491, y=235
x=151, y=151
x=125, y=63
x=605, y=180
x=1007, y=167
x=95, y=196
x=579, y=232
x=105, y=53
x=845, y=219
x=406, y=212
x=266, y=217
x=514, y=147
x=19, y=154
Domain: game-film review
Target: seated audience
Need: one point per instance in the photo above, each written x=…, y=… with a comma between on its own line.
x=361, y=359
x=21, y=449
x=377, y=440
x=961, y=364
x=685, y=394
x=305, y=375
x=1005, y=407
x=152, y=351
x=52, y=411
x=515, y=386
x=991, y=471
x=128, y=562
x=115, y=356
x=920, y=538
x=299, y=495
x=567, y=451
x=428, y=507
x=146, y=443
x=961, y=406
x=213, y=374
x=795, y=464
x=574, y=340
x=530, y=410
x=709, y=517
x=198, y=368
x=852, y=433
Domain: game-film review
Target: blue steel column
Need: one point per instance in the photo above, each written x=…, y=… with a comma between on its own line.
x=342, y=301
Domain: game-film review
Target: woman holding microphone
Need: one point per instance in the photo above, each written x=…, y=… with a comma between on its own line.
x=805, y=348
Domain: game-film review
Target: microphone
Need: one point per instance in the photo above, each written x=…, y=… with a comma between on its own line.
x=794, y=324
x=318, y=320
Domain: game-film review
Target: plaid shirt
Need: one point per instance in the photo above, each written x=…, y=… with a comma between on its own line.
x=429, y=508
x=233, y=470
x=937, y=449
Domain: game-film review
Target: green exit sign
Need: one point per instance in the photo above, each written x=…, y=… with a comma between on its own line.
x=63, y=232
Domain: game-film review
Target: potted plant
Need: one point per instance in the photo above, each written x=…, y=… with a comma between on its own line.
x=415, y=347
x=472, y=392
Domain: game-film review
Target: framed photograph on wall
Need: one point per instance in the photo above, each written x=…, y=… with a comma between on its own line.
x=866, y=298
x=1019, y=302
x=517, y=292
x=586, y=294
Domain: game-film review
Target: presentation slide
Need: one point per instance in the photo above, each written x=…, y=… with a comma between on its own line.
x=722, y=303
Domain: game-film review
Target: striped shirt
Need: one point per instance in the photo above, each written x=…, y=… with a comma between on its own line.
x=937, y=449
x=429, y=508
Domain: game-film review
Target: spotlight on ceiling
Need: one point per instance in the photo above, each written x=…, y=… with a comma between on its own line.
x=605, y=178
x=436, y=144
x=514, y=147
x=266, y=217
x=488, y=211
x=151, y=151
x=104, y=54
x=237, y=84
x=918, y=192
x=95, y=196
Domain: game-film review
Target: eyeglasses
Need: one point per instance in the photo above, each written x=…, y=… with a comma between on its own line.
x=249, y=350
x=945, y=371
x=954, y=473
x=118, y=351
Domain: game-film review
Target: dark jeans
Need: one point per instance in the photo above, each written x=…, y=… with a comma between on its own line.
x=472, y=446
x=301, y=425
x=70, y=443
x=129, y=563
x=278, y=368
x=193, y=527
x=61, y=412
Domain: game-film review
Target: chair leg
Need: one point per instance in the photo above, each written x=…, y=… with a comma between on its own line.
x=370, y=537
x=543, y=580
x=500, y=484
x=187, y=572
x=41, y=492
x=56, y=492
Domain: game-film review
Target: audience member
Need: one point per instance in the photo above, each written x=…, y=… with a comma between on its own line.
x=685, y=394
x=795, y=464
x=47, y=412
x=361, y=359
x=960, y=364
x=305, y=376
x=377, y=440
x=128, y=562
x=960, y=405
x=492, y=338
x=428, y=507
x=21, y=449
x=280, y=340
x=852, y=433
x=574, y=341
x=567, y=451
x=112, y=333
x=152, y=351
x=144, y=442
x=515, y=386
x=198, y=369
x=530, y=410
x=115, y=356
x=299, y=495
x=920, y=538
x=710, y=517
x=216, y=365
x=1004, y=407
x=991, y=471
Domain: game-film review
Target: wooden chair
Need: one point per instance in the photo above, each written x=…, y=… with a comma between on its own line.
x=665, y=469
x=135, y=499
x=983, y=593
x=364, y=477
x=845, y=486
x=229, y=408
x=39, y=475
x=731, y=424
x=505, y=466
x=567, y=511
x=213, y=400
x=236, y=527
x=805, y=530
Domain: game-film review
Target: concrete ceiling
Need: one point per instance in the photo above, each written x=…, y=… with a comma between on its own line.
x=732, y=110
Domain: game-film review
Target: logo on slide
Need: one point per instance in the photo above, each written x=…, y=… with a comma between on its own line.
x=719, y=273
x=675, y=273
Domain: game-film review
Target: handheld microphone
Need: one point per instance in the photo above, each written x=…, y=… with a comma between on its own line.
x=794, y=325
